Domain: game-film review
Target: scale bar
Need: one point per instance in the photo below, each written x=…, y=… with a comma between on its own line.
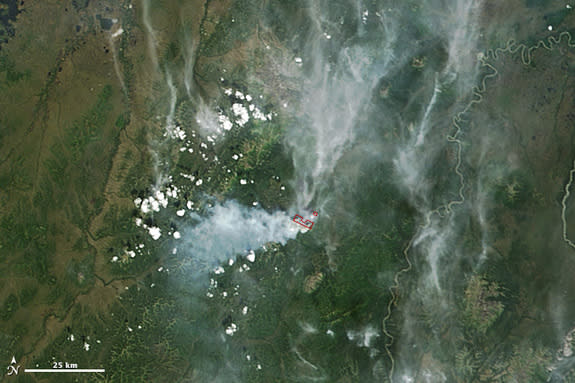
x=65, y=370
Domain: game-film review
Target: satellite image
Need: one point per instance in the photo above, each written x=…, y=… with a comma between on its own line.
x=271, y=191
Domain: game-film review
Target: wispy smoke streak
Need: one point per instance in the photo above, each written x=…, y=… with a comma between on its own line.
x=189, y=61
x=116, y=64
x=335, y=96
x=152, y=40
x=173, y=100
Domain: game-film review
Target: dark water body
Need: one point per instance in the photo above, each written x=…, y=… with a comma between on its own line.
x=9, y=10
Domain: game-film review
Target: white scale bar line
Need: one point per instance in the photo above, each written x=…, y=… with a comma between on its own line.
x=65, y=370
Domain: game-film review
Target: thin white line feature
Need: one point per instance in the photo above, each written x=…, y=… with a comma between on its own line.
x=65, y=370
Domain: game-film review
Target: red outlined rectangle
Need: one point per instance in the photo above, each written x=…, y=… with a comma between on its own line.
x=304, y=222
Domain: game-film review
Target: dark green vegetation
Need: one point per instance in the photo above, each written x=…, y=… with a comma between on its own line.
x=281, y=304
x=536, y=3
x=144, y=337
x=8, y=68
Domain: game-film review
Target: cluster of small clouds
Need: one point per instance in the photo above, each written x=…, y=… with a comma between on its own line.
x=159, y=199
x=154, y=203
x=240, y=112
x=231, y=329
x=187, y=147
